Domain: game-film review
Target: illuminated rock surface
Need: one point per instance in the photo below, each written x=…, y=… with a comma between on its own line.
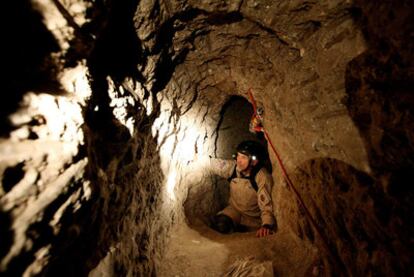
x=111, y=110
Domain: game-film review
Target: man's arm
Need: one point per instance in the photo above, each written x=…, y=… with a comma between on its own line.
x=264, y=181
x=222, y=168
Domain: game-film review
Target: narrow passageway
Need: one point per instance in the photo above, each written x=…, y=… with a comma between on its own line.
x=113, y=110
x=195, y=249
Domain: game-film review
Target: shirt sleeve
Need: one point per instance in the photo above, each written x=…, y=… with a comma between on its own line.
x=222, y=168
x=265, y=182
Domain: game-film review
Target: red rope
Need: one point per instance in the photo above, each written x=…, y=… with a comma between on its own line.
x=252, y=100
x=290, y=183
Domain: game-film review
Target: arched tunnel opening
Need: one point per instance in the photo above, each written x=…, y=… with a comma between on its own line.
x=232, y=129
x=112, y=112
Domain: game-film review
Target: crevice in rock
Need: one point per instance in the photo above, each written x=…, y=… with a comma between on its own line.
x=26, y=68
x=11, y=176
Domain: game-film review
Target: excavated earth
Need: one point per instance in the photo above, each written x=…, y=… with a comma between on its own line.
x=199, y=251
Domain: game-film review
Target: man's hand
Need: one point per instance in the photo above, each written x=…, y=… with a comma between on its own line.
x=264, y=231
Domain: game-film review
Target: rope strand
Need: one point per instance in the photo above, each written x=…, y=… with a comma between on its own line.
x=290, y=183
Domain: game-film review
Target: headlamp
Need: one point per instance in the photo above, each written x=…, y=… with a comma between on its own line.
x=252, y=157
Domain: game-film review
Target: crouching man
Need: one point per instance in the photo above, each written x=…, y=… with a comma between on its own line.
x=250, y=202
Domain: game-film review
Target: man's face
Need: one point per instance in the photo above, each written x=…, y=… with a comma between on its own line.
x=242, y=162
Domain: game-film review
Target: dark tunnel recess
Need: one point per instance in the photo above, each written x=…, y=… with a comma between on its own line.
x=232, y=129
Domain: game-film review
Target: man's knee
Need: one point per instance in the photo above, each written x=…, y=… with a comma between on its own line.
x=223, y=224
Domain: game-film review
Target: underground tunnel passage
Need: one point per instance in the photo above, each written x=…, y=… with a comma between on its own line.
x=232, y=129
x=111, y=111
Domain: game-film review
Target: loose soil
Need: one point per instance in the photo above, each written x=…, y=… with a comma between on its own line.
x=197, y=250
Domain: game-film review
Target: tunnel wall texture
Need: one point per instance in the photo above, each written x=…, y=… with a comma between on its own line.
x=115, y=106
x=79, y=164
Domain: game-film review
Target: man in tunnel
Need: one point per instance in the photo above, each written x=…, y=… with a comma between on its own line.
x=250, y=203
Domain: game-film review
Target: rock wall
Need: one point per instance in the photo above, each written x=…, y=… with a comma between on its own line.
x=364, y=215
x=42, y=150
x=302, y=61
x=80, y=172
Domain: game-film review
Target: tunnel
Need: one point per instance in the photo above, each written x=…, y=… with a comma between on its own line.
x=112, y=112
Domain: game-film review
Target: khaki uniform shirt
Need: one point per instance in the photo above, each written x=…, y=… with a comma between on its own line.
x=243, y=197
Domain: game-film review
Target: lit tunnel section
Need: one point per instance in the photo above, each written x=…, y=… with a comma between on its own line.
x=231, y=129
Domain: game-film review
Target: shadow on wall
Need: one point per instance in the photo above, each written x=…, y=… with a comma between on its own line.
x=26, y=64
x=124, y=169
x=123, y=196
x=367, y=220
x=6, y=234
x=379, y=86
x=354, y=216
x=117, y=50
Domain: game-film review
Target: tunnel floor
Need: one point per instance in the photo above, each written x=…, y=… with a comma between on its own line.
x=197, y=250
